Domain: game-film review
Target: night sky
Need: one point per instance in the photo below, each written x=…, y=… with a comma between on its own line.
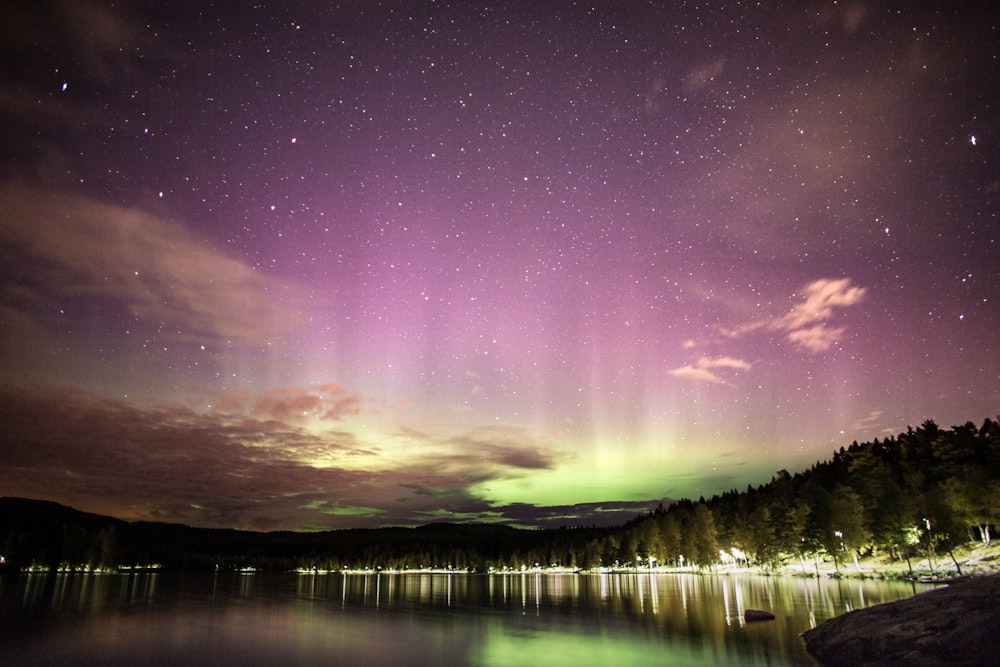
x=319, y=265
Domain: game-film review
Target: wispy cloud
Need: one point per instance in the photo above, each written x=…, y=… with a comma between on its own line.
x=806, y=325
x=330, y=402
x=703, y=75
x=694, y=373
x=868, y=422
x=821, y=297
x=162, y=277
x=816, y=338
x=704, y=370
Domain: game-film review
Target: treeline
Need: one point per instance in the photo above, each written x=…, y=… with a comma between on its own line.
x=923, y=492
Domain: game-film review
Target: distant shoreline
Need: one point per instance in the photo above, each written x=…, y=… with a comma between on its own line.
x=973, y=559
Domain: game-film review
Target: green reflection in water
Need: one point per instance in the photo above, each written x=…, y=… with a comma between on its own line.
x=555, y=649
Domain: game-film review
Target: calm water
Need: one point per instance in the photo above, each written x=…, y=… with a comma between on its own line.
x=418, y=619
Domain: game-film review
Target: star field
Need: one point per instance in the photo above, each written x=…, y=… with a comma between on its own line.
x=383, y=263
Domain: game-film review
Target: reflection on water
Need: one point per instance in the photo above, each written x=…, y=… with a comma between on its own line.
x=418, y=619
x=79, y=591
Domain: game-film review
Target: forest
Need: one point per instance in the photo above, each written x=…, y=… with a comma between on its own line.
x=925, y=491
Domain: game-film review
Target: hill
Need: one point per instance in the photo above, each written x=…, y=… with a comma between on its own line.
x=45, y=534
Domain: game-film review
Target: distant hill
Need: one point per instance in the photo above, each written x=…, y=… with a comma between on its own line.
x=50, y=534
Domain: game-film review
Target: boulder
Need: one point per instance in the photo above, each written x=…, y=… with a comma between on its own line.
x=955, y=625
x=752, y=615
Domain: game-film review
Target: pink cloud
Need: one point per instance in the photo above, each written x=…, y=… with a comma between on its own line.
x=695, y=373
x=703, y=371
x=821, y=297
x=805, y=324
x=816, y=338
x=291, y=407
x=330, y=402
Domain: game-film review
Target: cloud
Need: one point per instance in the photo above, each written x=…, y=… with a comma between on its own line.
x=490, y=446
x=330, y=402
x=96, y=35
x=462, y=509
x=20, y=338
x=847, y=17
x=821, y=297
x=724, y=362
x=868, y=422
x=481, y=454
x=774, y=190
x=703, y=75
x=805, y=325
x=249, y=469
x=815, y=338
x=61, y=248
x=158, y=462
x=607, y=513
x=694, y=373
x=704, y=369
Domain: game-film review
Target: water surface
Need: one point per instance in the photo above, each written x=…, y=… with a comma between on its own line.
x=419, y=619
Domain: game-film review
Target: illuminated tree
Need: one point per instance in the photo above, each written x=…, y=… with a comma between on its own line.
x=670, y=536
x=975, y=500
x=846, y=529
x=701, y=536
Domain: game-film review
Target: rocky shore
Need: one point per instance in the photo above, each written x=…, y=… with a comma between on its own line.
x=955, y=625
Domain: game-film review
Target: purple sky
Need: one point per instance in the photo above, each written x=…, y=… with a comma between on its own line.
x=322, y=265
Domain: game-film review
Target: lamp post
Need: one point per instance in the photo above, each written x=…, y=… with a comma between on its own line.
x=930, y=544
x=840, y=536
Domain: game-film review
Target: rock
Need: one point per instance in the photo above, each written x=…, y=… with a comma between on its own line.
x=752, y=615
x=955, y=625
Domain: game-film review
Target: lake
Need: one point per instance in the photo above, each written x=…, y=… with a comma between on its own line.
x=419, y=618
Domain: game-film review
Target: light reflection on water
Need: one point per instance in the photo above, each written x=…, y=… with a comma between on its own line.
x=418, y=619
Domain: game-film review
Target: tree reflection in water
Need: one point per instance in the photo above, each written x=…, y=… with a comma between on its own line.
x=419, y=618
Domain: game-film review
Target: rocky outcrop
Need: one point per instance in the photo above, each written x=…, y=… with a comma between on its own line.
x=955, y=625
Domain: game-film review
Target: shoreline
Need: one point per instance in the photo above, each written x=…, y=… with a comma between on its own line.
x=972, y=559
